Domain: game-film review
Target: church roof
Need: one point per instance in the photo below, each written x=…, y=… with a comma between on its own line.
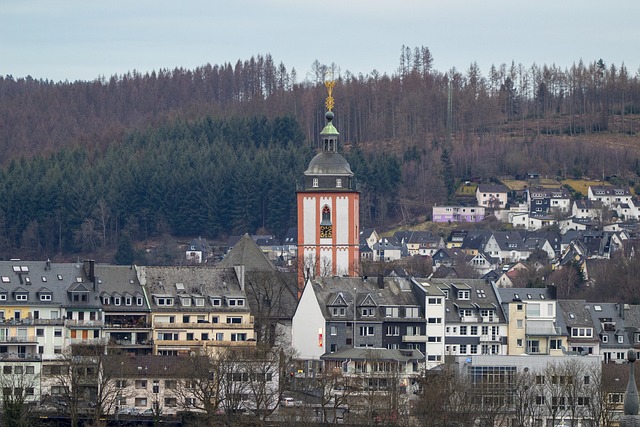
x=329, y=163
x=246, y=252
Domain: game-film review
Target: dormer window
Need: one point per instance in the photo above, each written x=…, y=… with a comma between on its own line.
x=315, y=182
x=620, y=339
x=45, y=297
x=106, y=300
x=235, y=302
x=185, y=301
x=216, y=302
x=164, y=302
x=605, y=338
x=338, y=183
x=21, y=297
x=464, y=294
x=200, y=302
x=116, y=300
x=139, y=301
x=339, y=311
x=128, y=301
x=3, y=296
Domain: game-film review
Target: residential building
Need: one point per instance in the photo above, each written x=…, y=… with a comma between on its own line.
x=196, y=308
x=458, y=213
x=474, y=321
x=533, y=323
x=492, y=196
x=609, y=195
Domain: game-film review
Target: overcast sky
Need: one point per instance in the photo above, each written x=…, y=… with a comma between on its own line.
x=85, y=39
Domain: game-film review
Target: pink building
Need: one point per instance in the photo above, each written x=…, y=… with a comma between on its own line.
x=458, y=213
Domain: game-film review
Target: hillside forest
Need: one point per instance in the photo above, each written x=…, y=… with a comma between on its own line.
x=218, y=150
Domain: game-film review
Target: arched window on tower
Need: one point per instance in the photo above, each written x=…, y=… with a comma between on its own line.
x=326, y=215
x=326, y=230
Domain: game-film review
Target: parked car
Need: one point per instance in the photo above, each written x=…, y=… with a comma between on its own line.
x=146, y=413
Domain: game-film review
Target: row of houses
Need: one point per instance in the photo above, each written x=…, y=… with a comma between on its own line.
x=538, y=207
x=451, y=317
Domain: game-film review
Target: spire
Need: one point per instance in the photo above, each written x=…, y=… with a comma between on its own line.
x=329, y=135
x=631, y=401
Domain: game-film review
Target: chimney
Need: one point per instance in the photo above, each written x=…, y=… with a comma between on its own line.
x=380, y=281
x=89, y=271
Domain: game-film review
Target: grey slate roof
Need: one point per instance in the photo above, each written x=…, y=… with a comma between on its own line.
x=60, y=280
x=330, y=291
x=246, y=252
x=196, y=281
x=364, y=353
x=481, y=295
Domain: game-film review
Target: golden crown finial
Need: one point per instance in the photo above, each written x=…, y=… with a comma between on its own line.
x=329, y=84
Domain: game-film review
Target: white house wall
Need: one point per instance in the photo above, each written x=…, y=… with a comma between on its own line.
x=308, y=321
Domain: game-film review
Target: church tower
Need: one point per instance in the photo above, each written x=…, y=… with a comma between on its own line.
x=328, y=210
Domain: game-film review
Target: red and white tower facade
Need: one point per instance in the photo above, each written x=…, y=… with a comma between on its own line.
x=328, y=210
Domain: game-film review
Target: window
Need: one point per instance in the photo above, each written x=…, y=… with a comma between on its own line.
x=463, y=349
x=434, y=320
x=170, y=402
x=7, y=369
x=57, y=333
x=605, y=338
x=413, y=330
x=204, y=336
x=338, y=183
x=200, y=302
x=411, y=312
x=464, y=294
x=334, y=330
x=238, y=337
x=141, y=401
x=393, y=331
x=21, y=297
x=519, y=342
x=138, y=301
x=435, y=300
x=45, y=297
x=231, y=319
x=216, y=302
x=116, y=300
x=40, y=332
x=3, y=297
x=474, y=330
x=185, y=301
x=366, y=331
x=519, y=323
x=555, y=344
x=141, y=384
x=338, y=311
x=219, y=336
x=128, y=301
x=434, y=339
x=106, y=300
x=5, y=279
x=620, y=339
x=463, y=330
x=367, y=311
x=315, y=182
x=170, y=384
x=391, y=312
x=30, y=370
x=581, y=332
x=519, y=307
x=235, y=302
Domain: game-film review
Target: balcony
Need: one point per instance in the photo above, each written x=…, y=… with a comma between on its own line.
x=196, y=344
x=19, y=356
x=489, y=338
x=19, y=339
x=491, y=319
x=470, y=319
x=414, y=338
x=165, y=325
x=72, y=323
x=543, y=330
x=127, y=325
x=128, y=343
x=87, y=341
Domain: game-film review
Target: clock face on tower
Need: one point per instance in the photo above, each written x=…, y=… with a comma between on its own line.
x=325, y=231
